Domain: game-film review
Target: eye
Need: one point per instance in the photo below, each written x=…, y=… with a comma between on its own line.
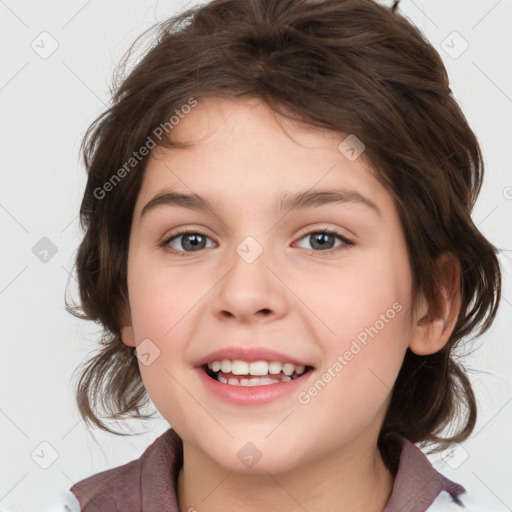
x=322, y=241
x=192, y=241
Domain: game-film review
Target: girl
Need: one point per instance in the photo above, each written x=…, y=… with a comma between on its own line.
x=279, y=246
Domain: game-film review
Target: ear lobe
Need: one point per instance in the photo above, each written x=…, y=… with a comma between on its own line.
x=128, y=336
x=435, y=325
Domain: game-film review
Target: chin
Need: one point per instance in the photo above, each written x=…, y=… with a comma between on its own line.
x=248, y=457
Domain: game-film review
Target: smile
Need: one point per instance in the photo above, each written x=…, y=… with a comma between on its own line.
x=253, y=373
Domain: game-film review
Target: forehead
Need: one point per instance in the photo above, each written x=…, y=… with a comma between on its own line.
x=241, y=152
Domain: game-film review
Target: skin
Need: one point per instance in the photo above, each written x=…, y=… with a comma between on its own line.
x=294, y=297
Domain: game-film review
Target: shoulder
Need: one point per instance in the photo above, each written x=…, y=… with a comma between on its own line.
x=419, y=486
x=467, y=502
x=125, y=487
x=65, y=502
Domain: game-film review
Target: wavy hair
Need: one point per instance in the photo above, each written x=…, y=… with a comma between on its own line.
x=353, y=66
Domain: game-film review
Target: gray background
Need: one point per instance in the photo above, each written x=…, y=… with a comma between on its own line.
x=48, y=101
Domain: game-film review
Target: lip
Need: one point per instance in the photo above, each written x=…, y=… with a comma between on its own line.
x=249, y=354
x=252, y=395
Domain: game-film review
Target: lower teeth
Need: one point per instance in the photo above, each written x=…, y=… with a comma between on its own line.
x=253, y=381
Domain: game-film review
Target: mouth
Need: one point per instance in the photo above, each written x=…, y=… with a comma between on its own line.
x=254, y=373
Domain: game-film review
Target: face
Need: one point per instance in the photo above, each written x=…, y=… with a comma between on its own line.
x=323, y=284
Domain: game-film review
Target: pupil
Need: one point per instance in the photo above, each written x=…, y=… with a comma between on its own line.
x=193, y=241
x=320, y=239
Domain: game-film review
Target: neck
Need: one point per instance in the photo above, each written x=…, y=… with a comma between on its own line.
x=346, y=480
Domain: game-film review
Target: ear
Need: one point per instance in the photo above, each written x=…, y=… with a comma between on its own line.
x=434, y=324
x=127, y=334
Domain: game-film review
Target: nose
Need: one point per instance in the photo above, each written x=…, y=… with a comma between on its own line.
x=250, y=291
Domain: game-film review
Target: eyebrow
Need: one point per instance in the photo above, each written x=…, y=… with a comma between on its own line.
x=287, y=202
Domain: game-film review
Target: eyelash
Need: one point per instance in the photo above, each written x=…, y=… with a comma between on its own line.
x=347, y=244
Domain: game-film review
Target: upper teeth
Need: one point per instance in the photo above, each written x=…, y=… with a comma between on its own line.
x=238, y=367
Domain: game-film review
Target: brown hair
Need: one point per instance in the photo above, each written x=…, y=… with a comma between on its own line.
x=352, y=66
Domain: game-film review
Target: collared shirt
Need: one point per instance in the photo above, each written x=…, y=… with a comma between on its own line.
x=149, y=484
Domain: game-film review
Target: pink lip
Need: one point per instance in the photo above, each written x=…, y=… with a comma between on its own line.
x=248, y=354
x=252, y=395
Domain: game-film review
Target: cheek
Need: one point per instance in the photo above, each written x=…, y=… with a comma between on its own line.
x=367, y=314
x=360, y=371
x=157, y=309
x=159, y=299
x=163, y=303
x=364, y=296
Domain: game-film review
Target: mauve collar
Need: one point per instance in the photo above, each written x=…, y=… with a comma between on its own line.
x=149, y=484
x=159, y=475
x=417, y=483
